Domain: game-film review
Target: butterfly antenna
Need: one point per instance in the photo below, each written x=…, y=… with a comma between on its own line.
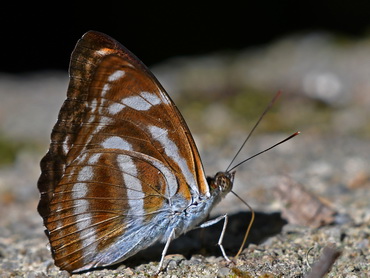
x=254, y=127
x=261, y=152
x=250, y=208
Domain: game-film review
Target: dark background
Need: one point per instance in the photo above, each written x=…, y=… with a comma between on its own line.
x=42, y=37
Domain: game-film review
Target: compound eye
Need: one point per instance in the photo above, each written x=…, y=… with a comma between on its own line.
x=223, y=182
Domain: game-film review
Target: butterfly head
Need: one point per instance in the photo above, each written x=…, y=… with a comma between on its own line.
x=222, y=182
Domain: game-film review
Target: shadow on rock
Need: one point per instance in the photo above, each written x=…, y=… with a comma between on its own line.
x=204, y=241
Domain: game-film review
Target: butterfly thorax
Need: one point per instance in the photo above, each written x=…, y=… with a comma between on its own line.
x=186, y=216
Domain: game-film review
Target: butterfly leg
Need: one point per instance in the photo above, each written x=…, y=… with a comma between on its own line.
x=214, y=221
x=164, y=252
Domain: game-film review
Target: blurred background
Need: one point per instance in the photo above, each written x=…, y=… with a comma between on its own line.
x=222, y=64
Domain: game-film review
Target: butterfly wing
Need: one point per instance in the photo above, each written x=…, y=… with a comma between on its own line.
x=120, y=151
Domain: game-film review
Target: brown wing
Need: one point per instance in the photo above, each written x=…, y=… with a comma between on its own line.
x=118, y=138
x=95, y=58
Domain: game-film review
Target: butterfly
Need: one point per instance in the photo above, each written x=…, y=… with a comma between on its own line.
x=122, y=171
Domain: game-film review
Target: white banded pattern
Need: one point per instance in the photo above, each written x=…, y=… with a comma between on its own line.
x=94, y=158
x=142, y=102
x=116, y=142
x=81, y=205
x=106, y=88
x=134, y=190
x=116, y=108
x=118, y=74
x=172, y=151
